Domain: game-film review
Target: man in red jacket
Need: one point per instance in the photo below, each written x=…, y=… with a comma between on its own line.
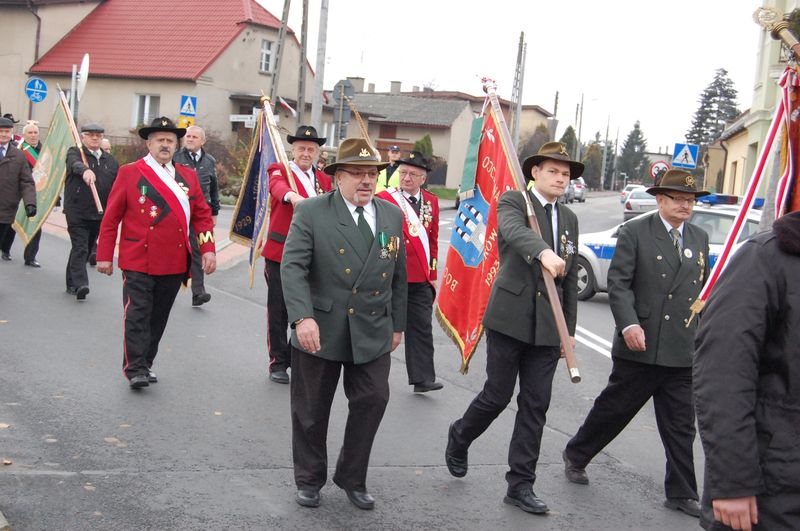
x=421, y=230
x=156, y=202
x=285, y=192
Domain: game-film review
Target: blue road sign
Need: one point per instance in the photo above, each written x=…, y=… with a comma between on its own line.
x=685, y=156
x=188, y=106
x=36, y=89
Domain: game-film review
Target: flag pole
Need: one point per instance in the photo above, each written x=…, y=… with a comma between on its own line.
x=490, y=88
x=274, y=133
x=77, y=137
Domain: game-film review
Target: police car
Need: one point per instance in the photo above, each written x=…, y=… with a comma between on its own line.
x=596, y=249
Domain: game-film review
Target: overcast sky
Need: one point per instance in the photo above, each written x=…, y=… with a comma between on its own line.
x=631, y=59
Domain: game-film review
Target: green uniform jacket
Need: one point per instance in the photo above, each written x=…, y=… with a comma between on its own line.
x=356, y=296
x=518, y=305
x=650, y=286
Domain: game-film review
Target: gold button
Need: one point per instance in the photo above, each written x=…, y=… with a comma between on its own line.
x=690, y=299
x=666, y=317
x=663, y=275
x=528, y=258
x=384, y=274
x=347, y=271
x=377, y=293
x=659, y=257
x=669, y=296
x=373, y=312
x=355, y=290
x=351, y=311
x=694, y=282
x=341, y=251
x=686, y=320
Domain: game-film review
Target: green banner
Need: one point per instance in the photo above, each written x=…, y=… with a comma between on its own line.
x=48, y=174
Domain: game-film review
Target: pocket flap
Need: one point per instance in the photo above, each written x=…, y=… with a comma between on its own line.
x=322, y=303
x=513, y=285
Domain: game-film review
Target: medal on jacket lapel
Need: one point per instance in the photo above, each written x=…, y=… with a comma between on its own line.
x=143, y=191
x=413, y=229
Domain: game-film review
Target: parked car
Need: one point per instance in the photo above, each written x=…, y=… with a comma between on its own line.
x=596, y=249
x=638, y=202
x=569, y=194
x=625, y=191
x=579, y=186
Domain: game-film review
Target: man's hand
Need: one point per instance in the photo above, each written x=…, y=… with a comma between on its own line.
x=634, y=338
x=209, y=262
x=553, y=263
x=89, y=177
x=738, y=513
x=308, y=335
x=214, y=220
x=572, y=342
x=30, y=210
x=105, y=267
x=294, y=198
x=396, y=338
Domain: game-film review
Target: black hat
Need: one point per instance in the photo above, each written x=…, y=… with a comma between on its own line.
x=676, y=180
x=415, y=158
x=552, y=151
x=5, y=123
x=10, y=116
x=305, y=132
x=92, y=127
x=162, y=124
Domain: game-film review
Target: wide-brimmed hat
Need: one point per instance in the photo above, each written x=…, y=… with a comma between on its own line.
x=356, y=152
x=676, y=180
x=162, y=124
x=552, y=151
x=305, y=132
x=416, y=158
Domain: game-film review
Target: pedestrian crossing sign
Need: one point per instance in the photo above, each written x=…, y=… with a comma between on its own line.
x=188, y=106
x=685, y=156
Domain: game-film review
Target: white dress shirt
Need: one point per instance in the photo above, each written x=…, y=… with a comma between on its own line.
x=369, y=213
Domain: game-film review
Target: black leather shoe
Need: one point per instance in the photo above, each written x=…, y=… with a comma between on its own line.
x=81, y=293
x=307, y=497
x=32, y=263
x=6, y=257
x=281, y=377
x=424, y=387
x=575, y=474
x=151, y=377
x=687, y=505
x=527, y=501
x=456, y=464
x=200, y=299
x=139, y=381
x=360, y=499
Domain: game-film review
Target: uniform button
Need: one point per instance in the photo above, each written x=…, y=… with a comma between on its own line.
x=355, y=290
x=180, y=245
x=666, y=317
x=145, y=245
x=694, y=282
x=407, y=242
x=377, y=293
x=151, y=227
x=663, y=275
x=384, y=274
x=347, y=271
x=686, y=321
x=528, y=258
x=669, y=296
x=538, y=293
x=351, y=311
x=180, y=229
x=373, y=312
x=659, y=257
x=689, y=299
x=341, y=251
x=142, y=211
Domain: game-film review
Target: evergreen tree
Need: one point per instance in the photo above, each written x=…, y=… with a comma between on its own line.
x=610, y=166
x=569, y=139
x=593, y=165
x=533, y=142
x=632, y=161
x=717, y=106
x=424, y=145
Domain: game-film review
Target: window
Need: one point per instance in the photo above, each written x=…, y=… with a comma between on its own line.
x=266, y=63
x=146, y=108
x=388, y=131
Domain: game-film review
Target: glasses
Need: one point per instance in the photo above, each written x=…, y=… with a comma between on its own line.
x=404, y=173
x=372, y=174
x=682, y=200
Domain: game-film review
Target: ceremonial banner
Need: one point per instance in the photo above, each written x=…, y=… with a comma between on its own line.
x=49, y=172
x=473, y=257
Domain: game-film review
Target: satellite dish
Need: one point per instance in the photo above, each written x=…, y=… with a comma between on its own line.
x=83, y=75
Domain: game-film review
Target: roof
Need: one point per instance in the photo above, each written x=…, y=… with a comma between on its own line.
x=147, y=38
x=458, y=95
x=409, y=110
x=36, y=3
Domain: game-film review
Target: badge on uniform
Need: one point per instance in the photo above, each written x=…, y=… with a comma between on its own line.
x=687, y=253
x=385, y=244
x=153, y=211
x=143, y=190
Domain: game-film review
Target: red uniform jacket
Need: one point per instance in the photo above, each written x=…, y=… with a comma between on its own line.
x=154, y=238
x=417, y=266
x=280, y=213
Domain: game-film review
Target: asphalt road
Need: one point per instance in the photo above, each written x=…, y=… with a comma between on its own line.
x=209, y=446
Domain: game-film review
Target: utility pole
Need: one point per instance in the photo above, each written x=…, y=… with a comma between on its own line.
x=614, y=174
x=301, y=78
x=605, y=155
x=273, y=90
x=516, y=93
x=580, y=126
x=316, y=104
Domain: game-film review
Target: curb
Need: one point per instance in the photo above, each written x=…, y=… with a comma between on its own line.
x=4, y=523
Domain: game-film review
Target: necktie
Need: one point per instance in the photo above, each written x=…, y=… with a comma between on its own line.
x=676, y=240
x=364, y=227
x=414, y=203
x=2, y=151
x=548, y=229
x=194, y=159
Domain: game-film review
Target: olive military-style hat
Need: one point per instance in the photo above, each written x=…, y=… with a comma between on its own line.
x=552, y=151
x=355, y=151
x=162, y=124
x=676, y=180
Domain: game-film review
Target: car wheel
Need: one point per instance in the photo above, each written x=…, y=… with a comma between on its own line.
x=586, y=282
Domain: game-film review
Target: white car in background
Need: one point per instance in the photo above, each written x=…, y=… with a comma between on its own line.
x=638, y=202
x=625, y=191
x=596, y=249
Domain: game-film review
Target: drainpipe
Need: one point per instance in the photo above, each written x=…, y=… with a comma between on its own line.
x=32, y=9
x=725, y=163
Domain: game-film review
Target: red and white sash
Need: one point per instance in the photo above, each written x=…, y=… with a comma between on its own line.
x=170, y=190
x=412, y=219
x=306, y=181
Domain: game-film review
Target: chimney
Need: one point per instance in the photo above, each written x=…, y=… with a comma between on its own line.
x=395, y=87
x=415, y=88
x=357, y=82
x=371, y=88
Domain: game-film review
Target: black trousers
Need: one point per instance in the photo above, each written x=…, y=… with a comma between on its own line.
x=630, y=386
x=31, y=250
x=419, y=333
x=147, y=300
x=506, y=358
x=277, y=319
x=314, y=382
x=82, y=233
x=198, y=277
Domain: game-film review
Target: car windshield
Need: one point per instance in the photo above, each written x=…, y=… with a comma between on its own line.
x=641, y=194
x=718, y=225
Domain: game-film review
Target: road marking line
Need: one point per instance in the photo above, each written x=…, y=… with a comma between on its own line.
x=594, y=336
x=593, y=346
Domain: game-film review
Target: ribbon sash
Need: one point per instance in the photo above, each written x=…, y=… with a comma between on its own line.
x=307, y=189
x=413, y=219
x=169, y=190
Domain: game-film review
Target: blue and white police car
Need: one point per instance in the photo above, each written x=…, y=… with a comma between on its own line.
x=596, y=249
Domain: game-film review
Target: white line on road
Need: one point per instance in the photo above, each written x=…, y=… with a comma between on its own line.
x=594, y=336
x=593, y=346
